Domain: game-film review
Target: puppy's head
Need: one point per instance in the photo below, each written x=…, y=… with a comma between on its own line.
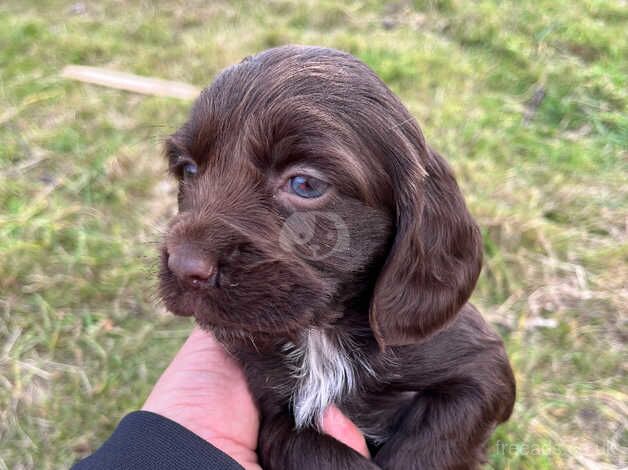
x=306, y=190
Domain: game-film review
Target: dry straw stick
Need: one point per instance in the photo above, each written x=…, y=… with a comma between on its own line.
x=130, y=82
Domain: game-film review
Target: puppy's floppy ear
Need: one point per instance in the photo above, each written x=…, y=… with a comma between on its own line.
x=436, y=255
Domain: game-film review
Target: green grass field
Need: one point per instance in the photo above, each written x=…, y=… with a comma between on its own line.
x=526, y=98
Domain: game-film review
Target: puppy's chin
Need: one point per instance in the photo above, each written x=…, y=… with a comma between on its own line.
x=274, y=300
x=242, y=334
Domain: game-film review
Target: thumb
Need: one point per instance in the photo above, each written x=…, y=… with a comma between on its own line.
x=338, y=426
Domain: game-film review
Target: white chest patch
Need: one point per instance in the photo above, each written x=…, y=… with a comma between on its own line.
x=324, y=371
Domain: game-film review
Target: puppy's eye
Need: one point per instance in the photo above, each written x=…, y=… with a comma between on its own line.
x=307, y=186
x=189, y=170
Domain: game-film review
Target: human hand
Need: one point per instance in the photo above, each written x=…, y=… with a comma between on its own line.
x=204, y=390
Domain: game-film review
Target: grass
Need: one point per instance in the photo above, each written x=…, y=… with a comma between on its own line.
x=527, y=99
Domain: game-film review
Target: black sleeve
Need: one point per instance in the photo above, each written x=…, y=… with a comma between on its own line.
x=145, y=440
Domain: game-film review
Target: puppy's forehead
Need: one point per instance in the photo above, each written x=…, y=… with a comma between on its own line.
x=290, y=105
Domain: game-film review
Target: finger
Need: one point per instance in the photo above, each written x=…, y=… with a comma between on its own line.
x=338, y=426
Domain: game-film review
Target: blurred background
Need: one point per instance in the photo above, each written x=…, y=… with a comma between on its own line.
x=527, y=99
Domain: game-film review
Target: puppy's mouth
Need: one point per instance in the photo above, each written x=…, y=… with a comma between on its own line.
x=248, y=296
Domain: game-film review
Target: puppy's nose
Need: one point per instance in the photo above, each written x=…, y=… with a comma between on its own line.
x=192, y=268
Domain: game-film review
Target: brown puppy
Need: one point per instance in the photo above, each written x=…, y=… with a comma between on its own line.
x=330, y=249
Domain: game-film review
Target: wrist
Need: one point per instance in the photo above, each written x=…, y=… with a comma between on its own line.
x=238, y=451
